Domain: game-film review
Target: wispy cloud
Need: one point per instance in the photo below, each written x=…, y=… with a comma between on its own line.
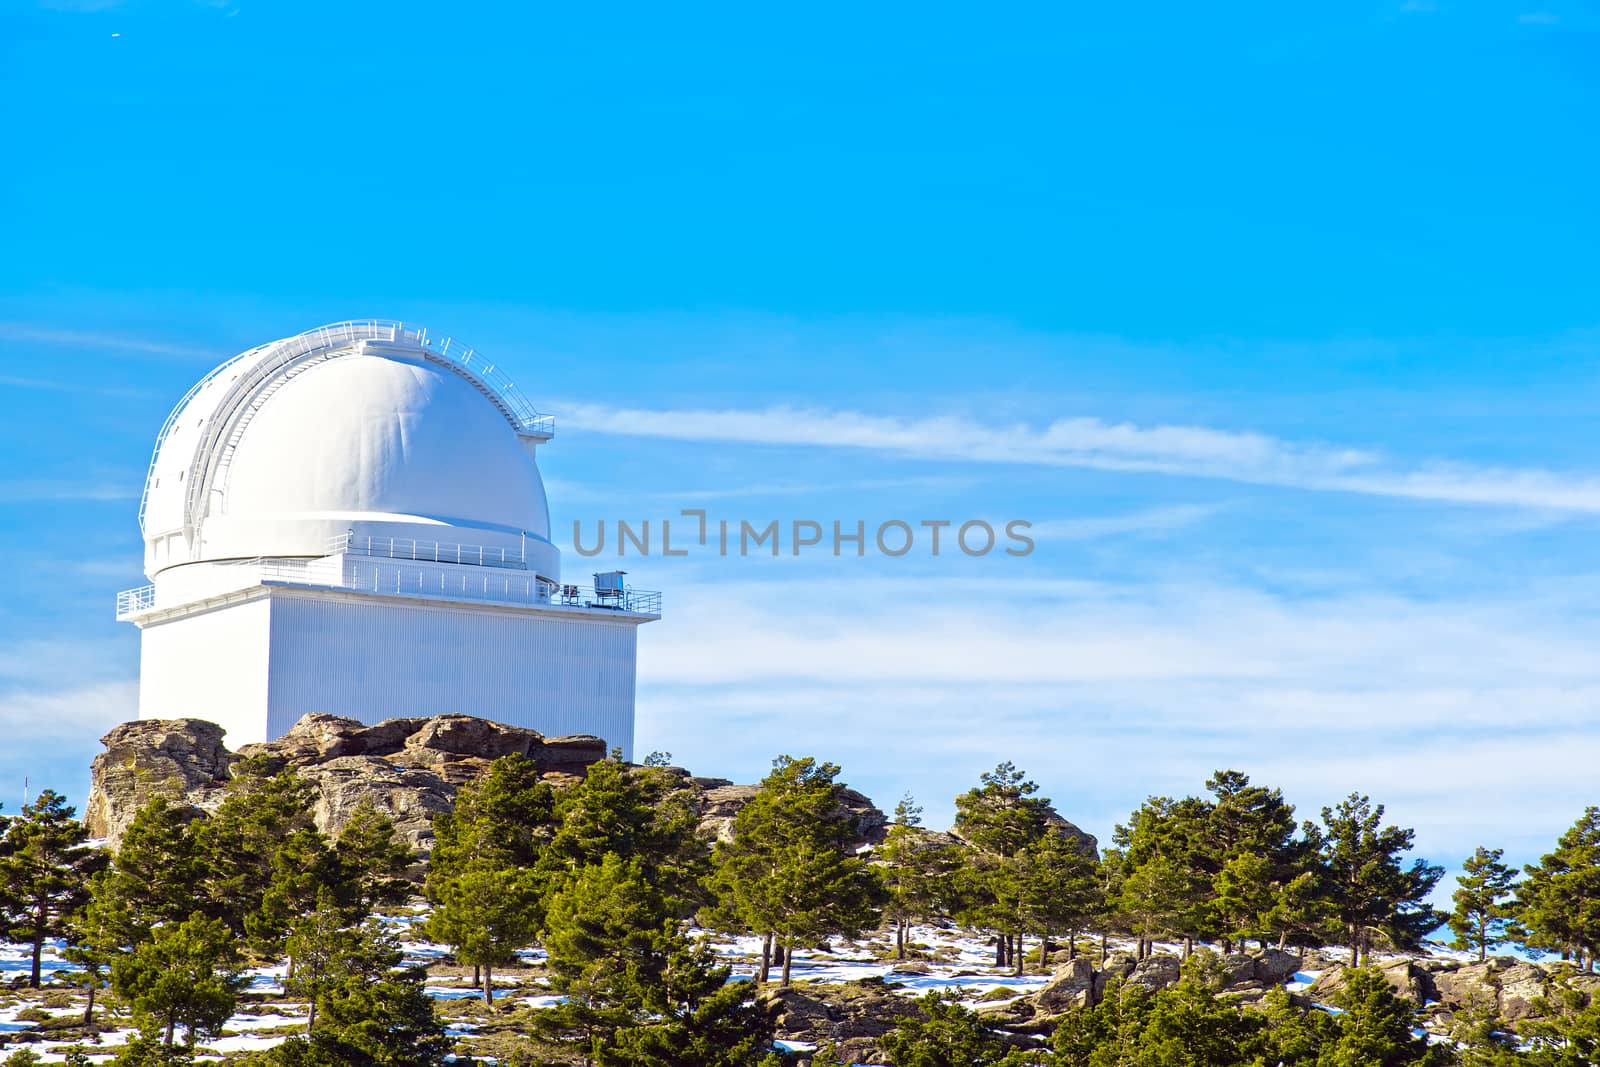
x=1147, y=521
x=36, y=492
x=1106, y=692
x=66, y=385
x=1087, y=442
x=32, y=333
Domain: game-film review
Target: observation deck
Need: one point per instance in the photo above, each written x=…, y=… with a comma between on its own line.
x=390, y=568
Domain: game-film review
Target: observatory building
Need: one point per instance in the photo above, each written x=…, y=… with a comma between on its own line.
x=351, y=521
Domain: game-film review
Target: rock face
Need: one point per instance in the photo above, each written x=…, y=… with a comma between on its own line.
x=720, y=800
x=409, y=769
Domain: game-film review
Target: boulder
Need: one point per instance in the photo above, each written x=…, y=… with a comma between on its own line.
x=718, y=805
x=852, y=1011
x=1520, y=985
x=1072, y=985
x=1507, y=987
x=1403, y=975
x=1471, y=987
x=183, y=760
x=408, y=768
x=1275, y=967
x=1237, y=968
x=1409, y=981
x=1156, y=972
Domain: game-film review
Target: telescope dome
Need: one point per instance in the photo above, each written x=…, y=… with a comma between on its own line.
x=359, y=430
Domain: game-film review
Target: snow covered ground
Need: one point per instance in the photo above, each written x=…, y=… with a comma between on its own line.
x=949, y=961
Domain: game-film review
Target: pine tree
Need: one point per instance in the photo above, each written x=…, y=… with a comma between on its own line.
x=637, y=992
x=789, y=870
x=260, y=812
x=501, y=819
x=917, y=872
x=156, y=876
x=371, y=863
x=1481, y=916
x=943, y=1034
x=185, y=974
x=1558, y=903
x=365, y=1009
x=1252, y=854
x=45, y=872
x=486, y=913
x=1372, y=894
x=1173, y=898
x=482, y=877
x=641, y=813
x=998, y=818
x=1058, y=891
x=302, y=867
x=1376, y=1028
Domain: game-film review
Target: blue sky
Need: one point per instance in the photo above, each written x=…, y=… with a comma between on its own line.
x=1278, y=324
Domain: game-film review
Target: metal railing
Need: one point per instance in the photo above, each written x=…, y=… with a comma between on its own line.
x=134, y=601
x=491, y=586
x=429, y=551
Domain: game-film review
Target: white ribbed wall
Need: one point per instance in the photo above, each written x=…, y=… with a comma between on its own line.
x=258, y=665
x=209, y=665
x=375, y=659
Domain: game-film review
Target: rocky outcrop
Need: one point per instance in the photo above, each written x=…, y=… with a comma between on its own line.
x=1408, y=980
x=720, y=800
x=851, y=1017
x=1506, y=987
x=1071, y=986
x=410, y=769
x=175, y=758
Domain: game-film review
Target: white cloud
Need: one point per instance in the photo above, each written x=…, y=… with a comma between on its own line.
x=1188, y=451
x=49, y=335
x=1147, y=521
x=36, y=491
x=1108, y=693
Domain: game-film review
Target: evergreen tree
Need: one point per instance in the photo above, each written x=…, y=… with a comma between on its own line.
x=371, y=863
x=917, y=873
x=486, y=913
x=319, y=943
x=1167, y=864
x=1481, y=916
x=790, y=870
x=637, y=992
x=641, y=813
x=998, y=818
x=944, y=1034
x=1253, y=856
x=185, y=974
x=45, y=870
x=1058, y=891
x=502, y=819
x=1558, y=903
x=155, y=877
x=1371, y=893
x=482, y=881
x=1376, y=1028
x=1564, y=1030
x=261, y=813
x=366, y=1009
x=302, y=867
x=1158, y=899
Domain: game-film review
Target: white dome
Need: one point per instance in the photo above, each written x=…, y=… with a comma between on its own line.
x=365, y=428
